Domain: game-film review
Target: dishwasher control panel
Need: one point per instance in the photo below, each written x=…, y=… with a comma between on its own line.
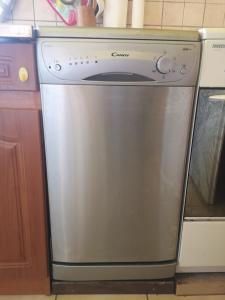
x=124, y=62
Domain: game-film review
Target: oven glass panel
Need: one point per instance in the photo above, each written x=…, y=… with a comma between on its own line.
x=206, y=181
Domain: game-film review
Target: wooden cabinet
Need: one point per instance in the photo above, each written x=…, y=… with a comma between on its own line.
x=23, y=234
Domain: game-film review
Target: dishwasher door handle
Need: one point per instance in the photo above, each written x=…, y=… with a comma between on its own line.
x=118, y=77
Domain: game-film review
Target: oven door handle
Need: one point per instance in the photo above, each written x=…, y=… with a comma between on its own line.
x=217, y=97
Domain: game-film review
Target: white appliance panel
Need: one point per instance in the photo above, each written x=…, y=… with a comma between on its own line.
x=202, y=247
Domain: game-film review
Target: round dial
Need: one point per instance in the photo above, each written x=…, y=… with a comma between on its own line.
x=58, y=67
x=164, y=64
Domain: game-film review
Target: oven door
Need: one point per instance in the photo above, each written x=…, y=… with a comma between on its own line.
x=205, y=194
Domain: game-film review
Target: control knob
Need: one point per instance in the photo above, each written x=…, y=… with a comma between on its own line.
x=164, y=65
x=58, y=67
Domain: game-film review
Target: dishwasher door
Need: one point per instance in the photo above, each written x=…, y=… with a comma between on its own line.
x=115, y=163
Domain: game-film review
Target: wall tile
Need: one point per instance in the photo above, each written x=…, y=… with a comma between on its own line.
x=172, y=27
x=153, y=13
x=193, y=14
x=61, y=24
x=24, y=10
x=216, y=1
x=191, y=28
x=174, y=1
x=43, y=11
x=23, y=22
x=195, y=1
x=172, y=14
x=129, y=13
x=45, y=23
x=175, y=14
x=214, y=15
x=152, y=27
x=146, y=1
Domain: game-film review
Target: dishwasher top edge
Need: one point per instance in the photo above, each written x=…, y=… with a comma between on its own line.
x=117, y=33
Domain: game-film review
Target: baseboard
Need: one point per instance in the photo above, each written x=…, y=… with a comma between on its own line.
x=114, y=287
x=191, y=284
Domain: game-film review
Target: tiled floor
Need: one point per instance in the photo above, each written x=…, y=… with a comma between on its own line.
x=112, y=297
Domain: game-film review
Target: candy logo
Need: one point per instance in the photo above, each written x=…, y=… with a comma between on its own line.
x=115, y=54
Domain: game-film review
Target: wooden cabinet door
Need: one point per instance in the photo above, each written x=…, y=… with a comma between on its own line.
x=23, y=239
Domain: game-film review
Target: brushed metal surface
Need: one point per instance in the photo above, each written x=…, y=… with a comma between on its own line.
x=115, y=272
x=118, y=33
x=115, y=165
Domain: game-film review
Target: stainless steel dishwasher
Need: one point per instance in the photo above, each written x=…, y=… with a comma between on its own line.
x=117, y=108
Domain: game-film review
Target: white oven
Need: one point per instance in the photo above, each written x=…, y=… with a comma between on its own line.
x=202, y=246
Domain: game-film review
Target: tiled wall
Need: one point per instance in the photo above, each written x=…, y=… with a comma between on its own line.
x=158, y=13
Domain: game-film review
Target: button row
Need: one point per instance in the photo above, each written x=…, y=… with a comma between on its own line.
x=82, y=62
x=163, y=69
x=58, y=67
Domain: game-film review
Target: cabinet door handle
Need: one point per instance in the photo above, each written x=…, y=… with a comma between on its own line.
x=217, y=98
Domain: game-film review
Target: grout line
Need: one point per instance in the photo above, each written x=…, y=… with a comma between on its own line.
x=160, y=26
x=202, y=18
x=30, y=20
x=13, y=11
x=183, y=15
x=204, y=13
x=46, y=21
x=162, y=14
x=34, y=12
x=223, y=19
